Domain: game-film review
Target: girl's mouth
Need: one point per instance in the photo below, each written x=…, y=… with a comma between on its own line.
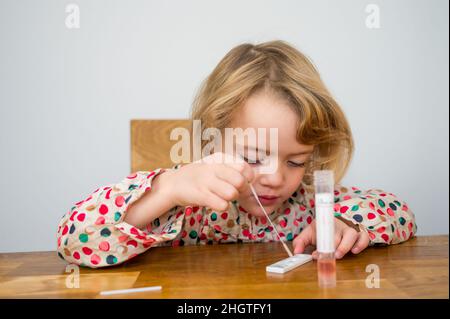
x=267, y=200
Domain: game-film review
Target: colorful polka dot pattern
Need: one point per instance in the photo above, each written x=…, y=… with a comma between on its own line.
x=92, y=233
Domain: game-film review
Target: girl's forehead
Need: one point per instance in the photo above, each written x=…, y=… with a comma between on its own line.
x=268, y=112
x=264, y=110
x=265, y=106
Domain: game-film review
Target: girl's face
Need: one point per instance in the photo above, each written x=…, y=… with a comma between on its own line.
x=266, y=110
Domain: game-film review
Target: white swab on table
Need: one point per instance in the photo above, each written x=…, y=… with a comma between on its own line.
x=287, y=264
x=273, y=226
x=129, y=291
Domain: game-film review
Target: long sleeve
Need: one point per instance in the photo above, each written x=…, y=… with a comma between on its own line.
x=92, y=233
x=386, y=218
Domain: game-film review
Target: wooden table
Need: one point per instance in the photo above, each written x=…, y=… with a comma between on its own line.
x=415, y=269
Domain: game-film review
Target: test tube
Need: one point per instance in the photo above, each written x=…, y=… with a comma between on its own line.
x=324, y=200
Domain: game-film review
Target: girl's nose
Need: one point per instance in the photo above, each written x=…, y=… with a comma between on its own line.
x=272, y=180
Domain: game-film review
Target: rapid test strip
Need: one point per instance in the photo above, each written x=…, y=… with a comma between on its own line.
x=289, y=263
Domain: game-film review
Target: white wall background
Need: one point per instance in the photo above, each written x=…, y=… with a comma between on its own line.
x=67, y=95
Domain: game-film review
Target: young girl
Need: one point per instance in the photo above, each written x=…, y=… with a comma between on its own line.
x=270, y=85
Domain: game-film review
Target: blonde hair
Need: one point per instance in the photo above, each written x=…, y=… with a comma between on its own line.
x=278, y=66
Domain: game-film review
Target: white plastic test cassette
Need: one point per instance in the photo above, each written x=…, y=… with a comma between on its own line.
x=290, y=263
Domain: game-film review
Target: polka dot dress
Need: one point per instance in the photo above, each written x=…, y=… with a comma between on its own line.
x=93, y=234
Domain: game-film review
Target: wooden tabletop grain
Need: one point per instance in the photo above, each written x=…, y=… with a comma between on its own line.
x=415, y=269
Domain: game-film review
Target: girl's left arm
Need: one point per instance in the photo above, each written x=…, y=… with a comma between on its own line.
x=386, y=218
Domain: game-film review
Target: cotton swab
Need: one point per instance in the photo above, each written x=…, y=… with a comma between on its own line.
x=129, y=291
x=273, y=226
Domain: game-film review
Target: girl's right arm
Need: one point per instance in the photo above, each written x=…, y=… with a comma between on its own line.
x=118, y=222
x=107, y=228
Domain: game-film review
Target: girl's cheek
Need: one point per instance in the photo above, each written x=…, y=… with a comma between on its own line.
x=293, y=183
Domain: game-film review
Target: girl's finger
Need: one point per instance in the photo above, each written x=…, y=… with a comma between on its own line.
x=244, y=169
x=224, y=190
x=232, y=176
x=349, y=238
x=303, y=240
x=215, y=202
x=234, y=162
x=299, y=245
x=337, y=239
x=361, y=243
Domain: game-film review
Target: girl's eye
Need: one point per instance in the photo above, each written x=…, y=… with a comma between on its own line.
x=294, y=164
x=258, y=162
x=254, y=162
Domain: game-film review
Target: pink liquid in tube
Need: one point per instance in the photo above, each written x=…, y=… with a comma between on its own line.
x=324, y=200
x=326, y=270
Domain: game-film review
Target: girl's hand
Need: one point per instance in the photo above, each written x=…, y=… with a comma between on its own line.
x=213, y=181
x=346, y=238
